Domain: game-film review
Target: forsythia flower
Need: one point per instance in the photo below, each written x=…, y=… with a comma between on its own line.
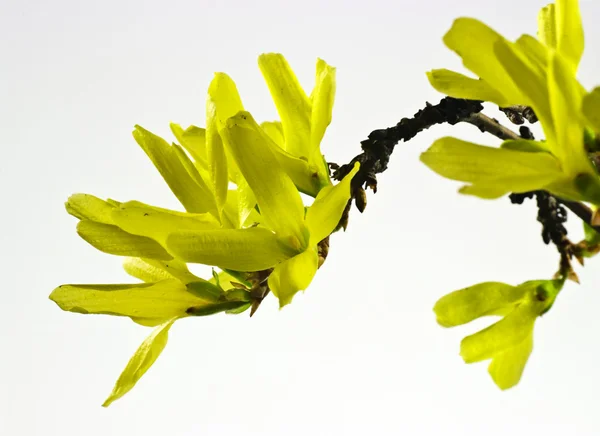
x=509, y=342
x=539, y=73
x=259, y=229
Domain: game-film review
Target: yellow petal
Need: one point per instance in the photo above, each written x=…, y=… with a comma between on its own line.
x=142, y=360
x=252, y=249
x=112, y=240
x=193, y=139
x=306, y=177
x=152, y=270
x=534, y=50
x=275, y=131
x=566, y=99
x=194, y=173
x=507, y=170
x=279, y=201
x=325, y=213
x=491, y=190
x=161, y=300
x=569, y=29
x=507, y=367
x=291, y=101
x=293, y=275
x=322, y=99
x=501, y=336
x=246, y=201
x=465, y=305
x=474, y=42
x=530, y=79
x=460, y=86
x=547, y=25
x=165, y=159
x=223, y=101
x=231, y=212
x=88, y=207
x=591, y=109
x=157, y=223
x=528, y=145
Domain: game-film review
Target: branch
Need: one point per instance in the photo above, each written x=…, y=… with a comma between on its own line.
x=491, y=125
x=582, y=211
x=379, y=146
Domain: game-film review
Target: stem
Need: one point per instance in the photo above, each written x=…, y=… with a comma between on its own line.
x=490, y=125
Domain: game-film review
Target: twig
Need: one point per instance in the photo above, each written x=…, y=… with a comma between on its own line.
x=491, y=125
x=517, y=114
x=379, y=146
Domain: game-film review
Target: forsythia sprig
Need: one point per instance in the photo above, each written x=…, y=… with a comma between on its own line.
x=539, y=73
x=260, y=235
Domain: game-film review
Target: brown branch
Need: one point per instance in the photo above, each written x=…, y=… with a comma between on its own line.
x=517, y=114
x=492, y=126
x=379, y=146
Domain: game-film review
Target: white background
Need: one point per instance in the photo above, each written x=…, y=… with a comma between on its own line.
x=359, y=352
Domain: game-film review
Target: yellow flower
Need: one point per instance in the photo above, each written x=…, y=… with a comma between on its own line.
x=508, y=342
x=304, y=120
x=539, y=73
x=260, y=227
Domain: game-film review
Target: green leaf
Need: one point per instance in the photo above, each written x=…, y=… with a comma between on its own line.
x=460, y=86
x=240, y=309
x=205, y=290
x=252, y=249
x=279, y=201
x=161, y=300
x=507, y=367
x=182, y=184
x=227, y=306
x=229, y=275
x=499, y=170
x=325, y=213
x=592, y=236
x=142, y=360
x=468, y=304
x=293, y=275
x=112, y=240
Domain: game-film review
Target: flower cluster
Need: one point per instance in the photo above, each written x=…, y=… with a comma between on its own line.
x=536, y=73
x=260, y=234
x=540, y=74
x=508, y=342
